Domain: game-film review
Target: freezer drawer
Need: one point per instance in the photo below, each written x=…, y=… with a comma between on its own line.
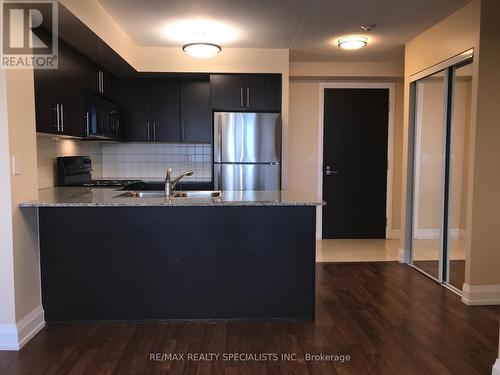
x=244, y=177
x=247, y=137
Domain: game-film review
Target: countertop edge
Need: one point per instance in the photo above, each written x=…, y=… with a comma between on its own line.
x=160, y=204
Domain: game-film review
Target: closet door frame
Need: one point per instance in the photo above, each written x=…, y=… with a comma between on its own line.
x=448, y=67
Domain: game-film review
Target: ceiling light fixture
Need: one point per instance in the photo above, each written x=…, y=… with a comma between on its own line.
x=352, y=42
x=201, y=50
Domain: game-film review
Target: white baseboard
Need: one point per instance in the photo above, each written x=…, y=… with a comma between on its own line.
x=423, y=234
x=481, y=294
x=15, y=336
x=401, y=255
x=496, y=368
x=8, y=337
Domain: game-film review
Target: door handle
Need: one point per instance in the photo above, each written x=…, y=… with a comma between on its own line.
x=58, y=118
x=241, y=97
x=154, y=130
x=62, y=118
x=329, y=172
x=87, y=122
x=248, y=97
x=147, y=124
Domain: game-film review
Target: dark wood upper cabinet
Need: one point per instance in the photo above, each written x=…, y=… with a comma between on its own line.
x=102, y=81
x=196, y=111
x=227, y=91
x=60, y=95
x=46, y=101
x=135, y=109
x=165, y=110
x=246, y=92
x=150, y=109
x=263, y=92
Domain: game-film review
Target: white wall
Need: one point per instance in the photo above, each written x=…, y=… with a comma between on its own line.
x=7, y=299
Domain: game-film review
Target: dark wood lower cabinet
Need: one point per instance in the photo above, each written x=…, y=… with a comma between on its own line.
x=136, y=263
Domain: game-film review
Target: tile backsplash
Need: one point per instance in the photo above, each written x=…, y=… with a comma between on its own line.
x=125, y=160
x=147, y=160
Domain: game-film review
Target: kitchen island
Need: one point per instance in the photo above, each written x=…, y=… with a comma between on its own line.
x=243, y=255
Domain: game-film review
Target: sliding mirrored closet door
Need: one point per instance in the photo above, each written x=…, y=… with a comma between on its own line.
x=429, y=169
x=441, y=127
x=459, y=174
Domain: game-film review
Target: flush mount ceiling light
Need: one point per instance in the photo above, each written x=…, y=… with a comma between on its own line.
x=352, y=42
x=201, y=50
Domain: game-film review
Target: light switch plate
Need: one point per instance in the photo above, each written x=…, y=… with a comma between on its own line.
x=16, y=165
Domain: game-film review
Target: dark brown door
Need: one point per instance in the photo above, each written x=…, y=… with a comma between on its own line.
x=355, y=163
x=165, y=110
x=196, y=112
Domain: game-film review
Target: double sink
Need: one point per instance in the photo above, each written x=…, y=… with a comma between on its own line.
x=156, y=190
x=195, y=194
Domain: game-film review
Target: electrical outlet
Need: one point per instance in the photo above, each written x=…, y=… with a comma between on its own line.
x=188, y=159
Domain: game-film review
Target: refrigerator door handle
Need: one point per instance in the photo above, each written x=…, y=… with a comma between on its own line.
x=220, y=137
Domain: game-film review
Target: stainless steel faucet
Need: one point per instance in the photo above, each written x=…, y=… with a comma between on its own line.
x=170, y=184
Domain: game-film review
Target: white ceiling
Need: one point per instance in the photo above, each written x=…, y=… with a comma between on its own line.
x=309, y=28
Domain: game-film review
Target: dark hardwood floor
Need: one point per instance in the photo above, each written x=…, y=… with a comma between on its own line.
x=387, y=317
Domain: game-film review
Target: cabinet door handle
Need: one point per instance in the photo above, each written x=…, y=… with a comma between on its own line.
x=147, y=124
x=183, y=131
x=87, y=123
x=58, y=119
x=241, y=97
x=248, y=97
x=62, y=118
x=154, y=130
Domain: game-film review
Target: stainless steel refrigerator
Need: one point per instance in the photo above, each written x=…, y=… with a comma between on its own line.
x=247, y=151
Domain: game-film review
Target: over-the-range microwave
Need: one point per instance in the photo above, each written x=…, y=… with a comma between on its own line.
x=102, y=118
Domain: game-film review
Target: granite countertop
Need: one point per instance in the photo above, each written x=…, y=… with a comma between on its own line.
x=106, y=197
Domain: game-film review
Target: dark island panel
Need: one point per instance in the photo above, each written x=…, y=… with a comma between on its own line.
x=140, y=263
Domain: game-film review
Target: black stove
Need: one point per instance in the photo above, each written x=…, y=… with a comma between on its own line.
x=76, y=171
